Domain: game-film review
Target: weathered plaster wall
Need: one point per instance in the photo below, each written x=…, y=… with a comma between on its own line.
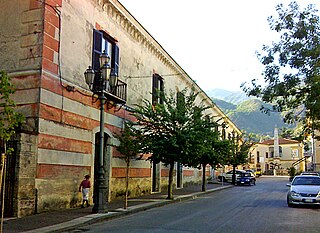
x=20, y=35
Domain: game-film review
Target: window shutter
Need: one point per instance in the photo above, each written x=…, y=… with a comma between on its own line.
x=97, y=46
x=116, y=58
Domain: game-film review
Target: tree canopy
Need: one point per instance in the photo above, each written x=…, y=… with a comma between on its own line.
x=239, y=151
x=292, y=67
x=165, y=127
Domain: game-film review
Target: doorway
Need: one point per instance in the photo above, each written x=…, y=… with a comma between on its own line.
x=9, y=182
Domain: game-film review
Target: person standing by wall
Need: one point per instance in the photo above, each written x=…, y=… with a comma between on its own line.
x=85, y=186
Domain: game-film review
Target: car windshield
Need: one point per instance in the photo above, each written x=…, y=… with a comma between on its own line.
x=306, y=181
x=309, y=174
x=246, y=175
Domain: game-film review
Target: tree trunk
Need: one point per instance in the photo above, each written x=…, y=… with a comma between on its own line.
x=204, y=177
x=127, y=184
x=233, y=174
x=170, y=192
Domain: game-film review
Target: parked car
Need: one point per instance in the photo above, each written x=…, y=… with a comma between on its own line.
x=227, y=177
x=246, y=178
x=252, y=171
x=304, y=189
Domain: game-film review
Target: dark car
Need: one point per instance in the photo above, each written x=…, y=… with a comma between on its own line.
x=246, y=178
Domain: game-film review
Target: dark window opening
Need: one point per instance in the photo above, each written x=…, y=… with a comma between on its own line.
x=157, y=88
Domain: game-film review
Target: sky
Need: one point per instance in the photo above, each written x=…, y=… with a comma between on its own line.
x=214, y=41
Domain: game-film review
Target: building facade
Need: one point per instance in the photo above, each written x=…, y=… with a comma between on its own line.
x=45, y=47
x=276, y=161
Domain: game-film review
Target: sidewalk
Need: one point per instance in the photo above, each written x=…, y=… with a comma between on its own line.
x=69, y=219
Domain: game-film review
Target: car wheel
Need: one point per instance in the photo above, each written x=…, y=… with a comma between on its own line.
x=289, y=203
x=250, y=183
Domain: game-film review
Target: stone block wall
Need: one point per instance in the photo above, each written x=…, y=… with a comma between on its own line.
x=27, y=163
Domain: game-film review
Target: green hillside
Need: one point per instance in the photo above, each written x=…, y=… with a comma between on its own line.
x=247, y=116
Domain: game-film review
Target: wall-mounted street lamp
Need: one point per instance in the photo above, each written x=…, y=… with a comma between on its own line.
x=101, y=82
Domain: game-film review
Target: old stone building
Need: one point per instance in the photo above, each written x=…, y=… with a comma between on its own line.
x=45, y=47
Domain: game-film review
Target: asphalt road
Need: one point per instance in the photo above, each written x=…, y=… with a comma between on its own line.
x=260, y=208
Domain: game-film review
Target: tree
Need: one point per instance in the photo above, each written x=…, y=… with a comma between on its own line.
x=205, y=143
x=165, y=129
x=292, y=67
x=129, y=147
x=239, y=151
x=9, y=121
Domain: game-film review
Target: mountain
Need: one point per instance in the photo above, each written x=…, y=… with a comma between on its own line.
x=249, y=117
x=246, y=113
x=234, y=97
x=225, y=106
x=219, y=93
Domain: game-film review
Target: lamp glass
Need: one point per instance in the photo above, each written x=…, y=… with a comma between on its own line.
x=89, y=75
x=105, y=72
x=113, y=81
x=104, y=59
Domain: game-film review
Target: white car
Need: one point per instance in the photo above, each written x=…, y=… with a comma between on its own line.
x=310, y=174
x=228, y=176
x=304, y=189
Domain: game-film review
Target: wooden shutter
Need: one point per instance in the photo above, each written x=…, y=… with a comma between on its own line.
x=115, y=59
x=97, y=46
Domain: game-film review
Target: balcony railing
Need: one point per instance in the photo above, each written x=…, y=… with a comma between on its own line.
x=119, y=94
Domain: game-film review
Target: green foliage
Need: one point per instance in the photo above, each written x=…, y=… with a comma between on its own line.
x=205, y=142
x=9, y=119
x=291, y=171
x=129, y=146
x=239, y=149
x=292, y=67
x=166, y=127
x=177, y=130
x=129, y=142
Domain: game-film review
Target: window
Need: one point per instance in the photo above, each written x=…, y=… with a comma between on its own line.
x=104, y=42
x=294, y=153
x=157, y=86
x=223, y=133
x=258, y=157
x=280, y=151
x=271, y=151
x=267, y=155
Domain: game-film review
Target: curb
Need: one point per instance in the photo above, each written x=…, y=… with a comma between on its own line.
x=95, y=218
